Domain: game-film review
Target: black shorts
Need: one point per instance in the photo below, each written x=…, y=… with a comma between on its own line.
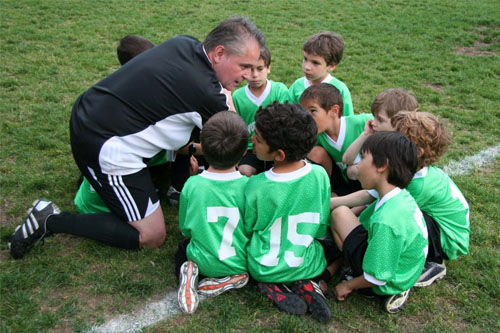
x=435, y=252
x=251, y=159
x=354, y=248
x=131, y=197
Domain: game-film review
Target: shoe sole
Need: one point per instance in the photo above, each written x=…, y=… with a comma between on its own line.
x=187, y=296
x=286, y=301
x=435, y=278
x=317, y=305
x=396, y=303
x=213, y=287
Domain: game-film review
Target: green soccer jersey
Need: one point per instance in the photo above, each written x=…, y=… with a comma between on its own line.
x=437, y=195
x=350, y=129
x=246, y=104
x=210, y=214
x=285, y=214
x=397, y=242
x=301, y=84
x=88, y=201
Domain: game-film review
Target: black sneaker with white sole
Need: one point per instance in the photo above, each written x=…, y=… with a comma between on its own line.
x=432, y=272
x=34, y=228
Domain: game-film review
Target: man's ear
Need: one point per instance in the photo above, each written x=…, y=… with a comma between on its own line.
x=279, y=155
x=219, y=53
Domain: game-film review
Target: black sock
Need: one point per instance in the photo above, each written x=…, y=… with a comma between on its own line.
x=103, y=227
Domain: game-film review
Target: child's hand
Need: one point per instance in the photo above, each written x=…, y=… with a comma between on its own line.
x=369, y=127
x=342, y=290
x=193, y=166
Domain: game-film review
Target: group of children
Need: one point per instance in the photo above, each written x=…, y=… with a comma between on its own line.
x=328, y=189
x=298, y=186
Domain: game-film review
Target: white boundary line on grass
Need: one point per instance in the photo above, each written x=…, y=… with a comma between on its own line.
x=155, y=312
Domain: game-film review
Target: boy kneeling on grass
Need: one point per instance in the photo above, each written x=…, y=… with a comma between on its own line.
x=387, y=246
x=287, y=211
x=210, y=215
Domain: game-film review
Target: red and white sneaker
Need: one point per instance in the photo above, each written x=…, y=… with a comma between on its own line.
x=188, y=279
x=216, y=286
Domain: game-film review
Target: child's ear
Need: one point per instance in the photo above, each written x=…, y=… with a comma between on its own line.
x=279, y=155
x=420, y=152
x=331, y=68
x=383, y=168
x=335, y=109
x=269, y=69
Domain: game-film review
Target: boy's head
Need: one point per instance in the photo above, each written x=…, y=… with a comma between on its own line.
x=388, y=103
x=390, y=150
x=224, y=140
x=324, y=102
x=259, y=72
x=285, y=129
x=132, y=45
x=426, y=131
x=322, y=52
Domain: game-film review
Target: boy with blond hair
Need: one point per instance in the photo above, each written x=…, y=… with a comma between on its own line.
x=259, y=92
x=335, y=133
x=445, y=209
x=322, y=53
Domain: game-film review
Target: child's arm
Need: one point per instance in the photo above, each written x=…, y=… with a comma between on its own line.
x=345, y=288
x=352, y=152
x=355, y=199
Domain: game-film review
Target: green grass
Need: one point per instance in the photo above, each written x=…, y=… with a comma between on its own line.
x=445, y=52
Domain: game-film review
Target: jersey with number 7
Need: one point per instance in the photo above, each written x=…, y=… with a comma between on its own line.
x=210, y=213
x=285, y=214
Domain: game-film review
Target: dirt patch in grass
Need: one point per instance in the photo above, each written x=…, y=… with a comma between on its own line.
x=475, y=50
x=436, y=87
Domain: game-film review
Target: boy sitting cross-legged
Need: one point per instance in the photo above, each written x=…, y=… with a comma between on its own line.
x=322, y=53
x=445, y=209
x=335, y=133
x=386, y=247
x=286, y=212
x=259, y=92
x=210, y=215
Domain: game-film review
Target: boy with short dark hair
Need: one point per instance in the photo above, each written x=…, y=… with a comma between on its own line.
x=286, y=212
x=384, y=107
x=259, y=92
x=445, y=209
x=322, y=53
x=386, y=247
x=210, y=216
x=132, y=45
x=335, y=133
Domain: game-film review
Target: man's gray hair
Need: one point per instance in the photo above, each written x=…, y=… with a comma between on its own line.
x=234, y=33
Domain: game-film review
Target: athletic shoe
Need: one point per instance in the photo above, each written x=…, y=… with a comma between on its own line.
x=310, y=292
x=188, y=279
x=217, y=286
x=173, y=196
x=34, y=228
x=432, y=272
x=396, y=303
x=283, y=297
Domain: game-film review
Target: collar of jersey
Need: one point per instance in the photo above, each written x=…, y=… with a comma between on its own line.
x=421, y=173
x=221, y=176
x=327, y=79
x=258, y=100
x=285, y=177
x=387, y=197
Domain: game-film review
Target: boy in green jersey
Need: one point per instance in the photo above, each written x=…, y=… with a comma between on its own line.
x=335, y=133
x=445, y=209
x=259, y=92
x=383, y=108
x=287, y=211
x=211, y=216
x=387, y=246
x=322, y=53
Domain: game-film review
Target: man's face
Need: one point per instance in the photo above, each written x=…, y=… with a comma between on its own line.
x=258, y=74
x=232, y=69
x=315, y=67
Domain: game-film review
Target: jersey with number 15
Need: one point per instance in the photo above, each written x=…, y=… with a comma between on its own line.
x=285, y=214
x=210, y=213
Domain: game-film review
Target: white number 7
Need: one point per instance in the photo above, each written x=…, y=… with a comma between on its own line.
x=226, y=249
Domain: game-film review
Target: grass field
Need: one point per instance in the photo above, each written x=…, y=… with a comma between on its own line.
x=445, y=52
